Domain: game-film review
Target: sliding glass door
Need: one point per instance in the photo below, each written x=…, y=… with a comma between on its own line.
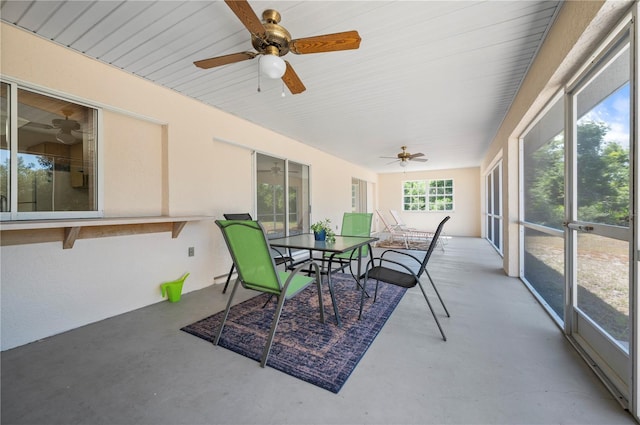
x=599, y=234
x=543, y=169
x=282, y=195
x=493, y=190
x=299, y=198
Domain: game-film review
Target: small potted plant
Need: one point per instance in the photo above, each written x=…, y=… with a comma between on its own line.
x=322, y=231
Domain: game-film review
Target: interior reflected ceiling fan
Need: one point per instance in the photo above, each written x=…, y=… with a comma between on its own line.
x=404, y=157
x=276, y=170
x=272, y=41
x=66, y=126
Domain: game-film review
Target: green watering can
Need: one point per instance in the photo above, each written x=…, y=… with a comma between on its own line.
x=173, y=289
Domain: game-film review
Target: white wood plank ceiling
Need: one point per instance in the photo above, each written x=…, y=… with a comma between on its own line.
x=437, y=76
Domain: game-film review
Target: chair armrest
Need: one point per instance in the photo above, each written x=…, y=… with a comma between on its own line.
x=305, y=264
x=404, y=266
x=285, y=258
x=302, y=266
x=277, y=250
x=399, y=252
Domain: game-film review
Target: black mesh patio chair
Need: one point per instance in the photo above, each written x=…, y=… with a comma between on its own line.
x=400, y=274
x=278, y=256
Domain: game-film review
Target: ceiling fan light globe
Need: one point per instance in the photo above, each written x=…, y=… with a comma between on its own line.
x=403, y=163
x=272, y=66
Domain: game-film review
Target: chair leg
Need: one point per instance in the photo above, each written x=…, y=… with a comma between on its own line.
x=433, y=313
x=437, y=293
x=364, y=286
x=333, y=299
x=267, y=302
x=224, y=290
x=365, y=294
x=272, y=332
x=375, y=295
x=226, y=312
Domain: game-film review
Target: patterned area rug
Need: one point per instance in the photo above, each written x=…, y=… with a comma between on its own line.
x=303, y=347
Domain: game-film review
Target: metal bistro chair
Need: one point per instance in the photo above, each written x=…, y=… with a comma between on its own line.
x=250, y=250
x=278, y=256
x=405, y=278
x=353, y=224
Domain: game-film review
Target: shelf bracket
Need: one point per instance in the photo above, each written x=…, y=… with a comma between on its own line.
x=70, y=236
x=177, y=228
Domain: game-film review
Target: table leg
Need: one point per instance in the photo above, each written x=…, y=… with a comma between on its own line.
x=358, y=285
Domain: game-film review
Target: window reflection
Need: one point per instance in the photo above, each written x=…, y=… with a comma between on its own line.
x=56, y=154
x=270, y=196
x=273, y=176
x=5, y=153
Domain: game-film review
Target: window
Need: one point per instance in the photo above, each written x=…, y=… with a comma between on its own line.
x=47, y=156
x=441, y=195
x=414, y=195
x=493, y=186
x=358, y=195
x=427, y=195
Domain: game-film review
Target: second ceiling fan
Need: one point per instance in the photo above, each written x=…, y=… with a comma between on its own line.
x=404, y=156
x=272, y=41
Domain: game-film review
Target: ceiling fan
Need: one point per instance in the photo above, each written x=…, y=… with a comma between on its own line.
x=276, y=170
x=272, y=41
x=66, y=126
x=404, y=156
x=32, y=124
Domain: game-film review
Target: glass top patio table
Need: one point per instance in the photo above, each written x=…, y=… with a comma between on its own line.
x=307, y=241
x=341, y=244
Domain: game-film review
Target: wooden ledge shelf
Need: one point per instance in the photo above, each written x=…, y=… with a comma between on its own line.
x=68, y=231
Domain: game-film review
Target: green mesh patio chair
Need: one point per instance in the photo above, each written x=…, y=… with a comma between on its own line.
x=399, y=273
x=353, y=224
x=279, y=257
x=250, y=251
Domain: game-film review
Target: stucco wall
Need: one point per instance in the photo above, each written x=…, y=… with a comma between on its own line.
x=163, y=154
x=465, y=219
x=202, y=157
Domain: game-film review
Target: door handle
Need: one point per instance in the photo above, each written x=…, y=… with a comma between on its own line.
x=580, y=227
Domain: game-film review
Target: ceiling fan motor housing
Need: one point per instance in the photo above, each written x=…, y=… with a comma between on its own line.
x=275, y=35
x=404, y=155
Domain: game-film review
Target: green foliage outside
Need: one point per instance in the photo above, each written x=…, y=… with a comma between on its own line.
x=414, y=195
x=602, y=179
x=438, y=198
x=441, y=195
x=32, y=179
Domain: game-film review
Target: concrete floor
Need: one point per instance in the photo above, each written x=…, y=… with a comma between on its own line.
x=505, y=362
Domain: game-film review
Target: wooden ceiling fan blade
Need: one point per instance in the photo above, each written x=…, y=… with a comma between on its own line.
x=37, y=125
x=415, y=155
x=247, y=16
x=292, y=80
x=224, y=60
x=392, y=162
x=326, y=43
